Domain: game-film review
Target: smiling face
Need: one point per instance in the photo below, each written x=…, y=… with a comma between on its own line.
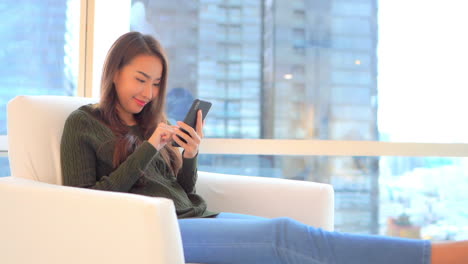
x=136, y=84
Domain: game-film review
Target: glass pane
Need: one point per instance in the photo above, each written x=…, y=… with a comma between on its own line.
x=422, y=88
x=328, y=69
x=39, y=49
x=401, y=196
x=4, y=167
x=225, y=37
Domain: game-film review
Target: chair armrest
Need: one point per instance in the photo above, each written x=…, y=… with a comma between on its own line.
x=308, y=202
x=45, y=223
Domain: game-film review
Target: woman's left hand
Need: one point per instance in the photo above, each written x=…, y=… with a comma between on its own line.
x=193, y=140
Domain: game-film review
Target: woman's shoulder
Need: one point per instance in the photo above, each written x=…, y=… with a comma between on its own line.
x=84, y=115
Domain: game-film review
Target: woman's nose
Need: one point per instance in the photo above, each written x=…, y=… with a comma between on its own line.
x=148, y=91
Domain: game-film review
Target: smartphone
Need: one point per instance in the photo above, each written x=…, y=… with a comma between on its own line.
x=191, y=117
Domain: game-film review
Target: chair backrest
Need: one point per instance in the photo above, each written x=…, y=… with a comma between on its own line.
x=35, y=126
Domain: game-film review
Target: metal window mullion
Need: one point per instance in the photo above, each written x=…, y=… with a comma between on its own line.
x=329, y=148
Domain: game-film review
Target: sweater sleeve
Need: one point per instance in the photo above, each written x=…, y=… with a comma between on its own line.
x=78, y=159
x=187, y=176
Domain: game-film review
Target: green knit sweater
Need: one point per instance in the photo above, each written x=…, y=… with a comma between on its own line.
x=87, y=149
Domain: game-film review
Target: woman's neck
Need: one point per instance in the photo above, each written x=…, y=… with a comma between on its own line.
x=126, y=117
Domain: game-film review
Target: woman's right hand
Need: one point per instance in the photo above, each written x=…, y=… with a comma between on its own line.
x=161, y=135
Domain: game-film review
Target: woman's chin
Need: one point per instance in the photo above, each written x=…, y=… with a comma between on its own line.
x=137, y=109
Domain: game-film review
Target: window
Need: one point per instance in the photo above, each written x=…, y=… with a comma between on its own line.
x=351, y=26
x=298, y=70
x=38, y=52
x=234, y=33
x=351, y=95
x=271, y=84
x=234, y=52
x=234, y=90
x=351, y=60
x=352, y=43
x=234, y=70
x=351, y=77
x=299, y=37
x=223, y=32
x=299, y=16
x=234, y=14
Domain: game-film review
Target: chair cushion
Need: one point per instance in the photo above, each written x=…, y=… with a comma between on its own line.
x=34, y=146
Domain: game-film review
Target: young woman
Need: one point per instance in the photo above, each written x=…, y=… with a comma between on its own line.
x=122, y=144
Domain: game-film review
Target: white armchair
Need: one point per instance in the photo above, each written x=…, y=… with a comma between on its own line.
x=44, y=222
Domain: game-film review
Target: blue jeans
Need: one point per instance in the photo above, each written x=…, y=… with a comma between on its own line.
x=243, y=239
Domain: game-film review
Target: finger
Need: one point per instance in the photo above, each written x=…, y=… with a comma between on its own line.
x=166, y=127
x=187, y=128
x=191, y=140
x=199, y=125
x=179, y=141
x=182, y=134
x=202, y=135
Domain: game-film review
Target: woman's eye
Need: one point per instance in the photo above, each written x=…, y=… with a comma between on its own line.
x=140, y=80
x=156, y=84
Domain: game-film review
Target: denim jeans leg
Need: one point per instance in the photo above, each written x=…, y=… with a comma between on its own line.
x=237, y=240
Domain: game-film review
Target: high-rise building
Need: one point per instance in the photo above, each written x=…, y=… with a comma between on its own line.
x=320, y=82
x=302, y=69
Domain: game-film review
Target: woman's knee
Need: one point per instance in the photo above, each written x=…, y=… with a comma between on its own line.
x=284, y=222
x=288, y=229
x=296, y=242
x=288, y=223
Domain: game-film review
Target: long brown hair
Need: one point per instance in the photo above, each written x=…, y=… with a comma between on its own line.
x=122, y=52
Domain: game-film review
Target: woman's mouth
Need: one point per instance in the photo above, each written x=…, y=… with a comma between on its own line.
x=139, y=102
